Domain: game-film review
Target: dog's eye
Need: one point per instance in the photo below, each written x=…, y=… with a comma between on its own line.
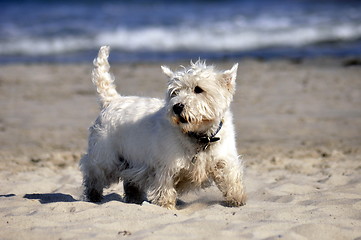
x=174, y=93
x=198, y=90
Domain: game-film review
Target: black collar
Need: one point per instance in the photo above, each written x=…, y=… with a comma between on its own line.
x=204, y=141
x=204, y=138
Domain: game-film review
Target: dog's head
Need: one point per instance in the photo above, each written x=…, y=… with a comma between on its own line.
x=198, y=96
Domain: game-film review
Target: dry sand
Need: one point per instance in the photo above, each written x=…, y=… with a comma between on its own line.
x=298, y=129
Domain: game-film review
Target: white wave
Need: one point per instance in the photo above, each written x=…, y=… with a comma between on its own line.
x=217, y=37
x=224, y=39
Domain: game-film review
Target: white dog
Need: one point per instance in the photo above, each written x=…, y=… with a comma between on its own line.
x=162, y=148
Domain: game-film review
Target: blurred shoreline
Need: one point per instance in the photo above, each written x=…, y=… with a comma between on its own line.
x=72, y=31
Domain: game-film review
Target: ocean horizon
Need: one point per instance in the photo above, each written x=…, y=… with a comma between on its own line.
x=139, y=30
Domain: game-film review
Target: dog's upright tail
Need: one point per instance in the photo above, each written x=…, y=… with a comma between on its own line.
x=103, y=79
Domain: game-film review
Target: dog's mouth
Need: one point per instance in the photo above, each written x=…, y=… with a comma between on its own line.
x=182, y=119
x=178, y=119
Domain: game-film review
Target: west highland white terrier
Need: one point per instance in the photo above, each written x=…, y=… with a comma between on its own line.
x=163, y=148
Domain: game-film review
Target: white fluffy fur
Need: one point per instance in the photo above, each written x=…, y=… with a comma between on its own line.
x=144, y=143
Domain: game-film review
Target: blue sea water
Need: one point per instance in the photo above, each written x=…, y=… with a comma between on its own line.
x=141, y=30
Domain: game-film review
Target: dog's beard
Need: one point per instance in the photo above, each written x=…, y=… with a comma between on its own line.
x=190, y=124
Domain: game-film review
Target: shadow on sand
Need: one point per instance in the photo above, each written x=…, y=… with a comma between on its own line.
x=45, y=198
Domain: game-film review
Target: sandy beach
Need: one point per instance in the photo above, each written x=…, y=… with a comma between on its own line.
x=298, y=129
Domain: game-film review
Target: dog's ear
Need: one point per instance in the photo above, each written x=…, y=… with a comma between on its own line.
x=229, y=77
x=167, y=71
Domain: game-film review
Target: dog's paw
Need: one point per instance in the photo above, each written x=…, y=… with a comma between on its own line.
x=237, y=202
x=171, y=205
x=94, y=196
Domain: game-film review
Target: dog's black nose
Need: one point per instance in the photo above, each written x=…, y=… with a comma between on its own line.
x=178, y=108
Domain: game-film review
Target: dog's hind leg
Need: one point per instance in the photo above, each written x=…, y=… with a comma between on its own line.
x=93, y=192
x=133, y=194
x=93, y=180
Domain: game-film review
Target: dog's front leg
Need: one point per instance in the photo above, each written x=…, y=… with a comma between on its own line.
x=228, y=176
x=165, y=195
x=165, y=198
